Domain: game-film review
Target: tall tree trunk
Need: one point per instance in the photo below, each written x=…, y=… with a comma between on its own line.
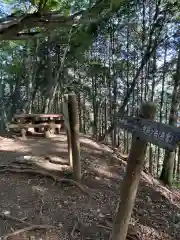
x=178, y=165
x=53, y=80
x=16, y=97
x=151, y=46
x=154, y=68
x=50, y=83
x=31, y=71
x=161, y=104
x=168, y=164
x=142, y=47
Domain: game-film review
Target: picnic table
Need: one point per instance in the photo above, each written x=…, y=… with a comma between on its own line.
x=44, y=123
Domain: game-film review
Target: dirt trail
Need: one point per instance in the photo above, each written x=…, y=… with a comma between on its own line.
x=40, y=200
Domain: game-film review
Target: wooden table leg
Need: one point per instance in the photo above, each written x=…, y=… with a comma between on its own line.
x=23, y=132
x=58, y=130
x=47, y=133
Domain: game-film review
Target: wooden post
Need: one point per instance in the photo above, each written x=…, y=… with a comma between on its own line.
x=74, y=128
x=67, y=127
x=130, y=182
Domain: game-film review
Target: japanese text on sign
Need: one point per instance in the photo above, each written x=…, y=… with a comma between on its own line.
x=162, y=136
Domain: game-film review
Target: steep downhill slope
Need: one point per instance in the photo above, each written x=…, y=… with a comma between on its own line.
x=39, y=200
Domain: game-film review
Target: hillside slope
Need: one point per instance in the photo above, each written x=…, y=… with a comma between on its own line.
x=39, y=200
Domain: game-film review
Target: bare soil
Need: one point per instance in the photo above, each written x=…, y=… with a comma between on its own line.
x=40, y=207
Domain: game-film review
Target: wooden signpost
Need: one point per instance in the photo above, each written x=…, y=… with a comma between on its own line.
x=144, y=130
x=134, y=168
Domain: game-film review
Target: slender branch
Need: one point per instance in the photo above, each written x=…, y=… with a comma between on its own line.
x=152, y=45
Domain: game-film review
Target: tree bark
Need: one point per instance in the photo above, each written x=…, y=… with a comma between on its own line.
x=151, y=46
x=74, y=127
x=130, y=182
x=168, y=164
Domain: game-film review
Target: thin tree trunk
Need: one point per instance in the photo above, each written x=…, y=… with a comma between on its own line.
x=168, y=164
x=149, y=50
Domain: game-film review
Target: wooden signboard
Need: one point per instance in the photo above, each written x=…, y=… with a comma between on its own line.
x=162, y=135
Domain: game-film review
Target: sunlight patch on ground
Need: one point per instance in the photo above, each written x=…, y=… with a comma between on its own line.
x=61, y=138
x=51, y=166
x=90, y=142
x=13, y=146
x=107, y=173
x=62, y=146
x=41, y=161
x=94, y=144
x=147, y=232
x=39, y=189
x=104, y=171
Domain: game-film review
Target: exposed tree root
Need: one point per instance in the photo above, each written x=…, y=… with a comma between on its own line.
x=46, y=174
x=55, y=161
x=26, y=229
x=9, y=217
x=12, y=166
x=22, y=230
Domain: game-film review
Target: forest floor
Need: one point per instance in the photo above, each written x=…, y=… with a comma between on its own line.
x=34, y=207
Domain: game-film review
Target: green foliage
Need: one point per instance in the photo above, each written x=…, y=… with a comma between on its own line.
x=115, y=4
x=176, y=183
x=84, y=38
x=45, y=5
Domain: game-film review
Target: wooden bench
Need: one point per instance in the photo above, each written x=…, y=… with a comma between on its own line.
x=45, y=123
